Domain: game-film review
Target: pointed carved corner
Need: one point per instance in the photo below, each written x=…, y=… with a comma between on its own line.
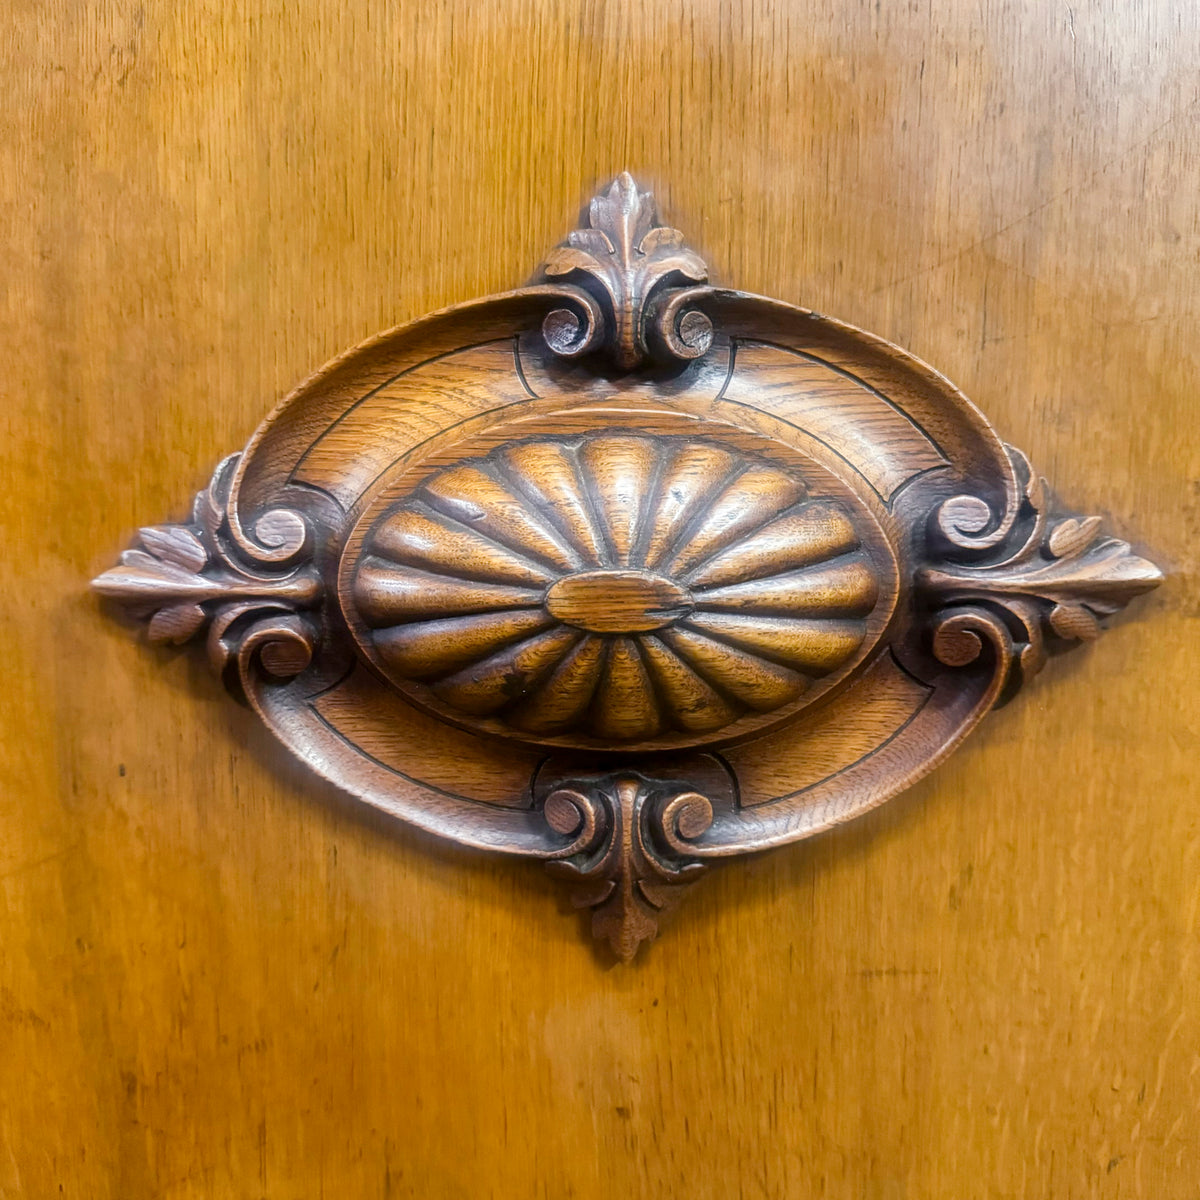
x=1032, y=581
x=630, y=285
x=630, y=858
x=203, y=575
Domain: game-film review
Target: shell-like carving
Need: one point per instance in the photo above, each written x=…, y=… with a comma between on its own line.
x=613, y=588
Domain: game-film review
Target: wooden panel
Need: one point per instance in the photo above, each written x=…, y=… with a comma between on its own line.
x=219, y=979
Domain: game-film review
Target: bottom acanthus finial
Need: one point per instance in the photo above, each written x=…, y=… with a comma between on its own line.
x=628, y=858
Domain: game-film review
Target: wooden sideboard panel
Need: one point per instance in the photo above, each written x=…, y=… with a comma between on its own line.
x=220, y=979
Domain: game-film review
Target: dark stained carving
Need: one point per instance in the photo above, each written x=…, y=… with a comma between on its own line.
x=184, y=579
x=632, y=841
x=1044, y=576
x=626, y=873
x=503, y=598
x=626, y=264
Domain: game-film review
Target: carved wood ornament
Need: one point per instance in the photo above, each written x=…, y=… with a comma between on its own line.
x=624, y=572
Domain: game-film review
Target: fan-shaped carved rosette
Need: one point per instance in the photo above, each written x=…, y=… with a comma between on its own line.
x=613, y=589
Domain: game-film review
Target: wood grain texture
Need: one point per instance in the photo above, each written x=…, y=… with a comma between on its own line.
x=219, y=980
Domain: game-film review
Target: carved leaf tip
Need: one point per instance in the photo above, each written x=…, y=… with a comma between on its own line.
x=175, y=544
x=625, y=931
x=1058, y=575
x=633, y=859
x=622, y=266
x=176, y=623
x=624, y=214
x=162, y=576
x=187, y=578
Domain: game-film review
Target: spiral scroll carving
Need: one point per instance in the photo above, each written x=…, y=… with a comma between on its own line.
x=629, y=857
x=1028, y=580
x=188, y=578
x=629, y=285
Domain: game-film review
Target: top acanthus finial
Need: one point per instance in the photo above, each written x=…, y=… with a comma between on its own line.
x=634, y=286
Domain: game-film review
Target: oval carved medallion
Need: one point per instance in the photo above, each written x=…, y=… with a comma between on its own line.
x=613, y=587
x=625, y=514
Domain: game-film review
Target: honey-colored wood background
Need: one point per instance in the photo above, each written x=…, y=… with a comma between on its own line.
x=219, y=980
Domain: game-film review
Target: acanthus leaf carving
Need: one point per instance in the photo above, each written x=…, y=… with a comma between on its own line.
x=185, y=578
x=1051, y=574
x=629, y=857
x=630, y=263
